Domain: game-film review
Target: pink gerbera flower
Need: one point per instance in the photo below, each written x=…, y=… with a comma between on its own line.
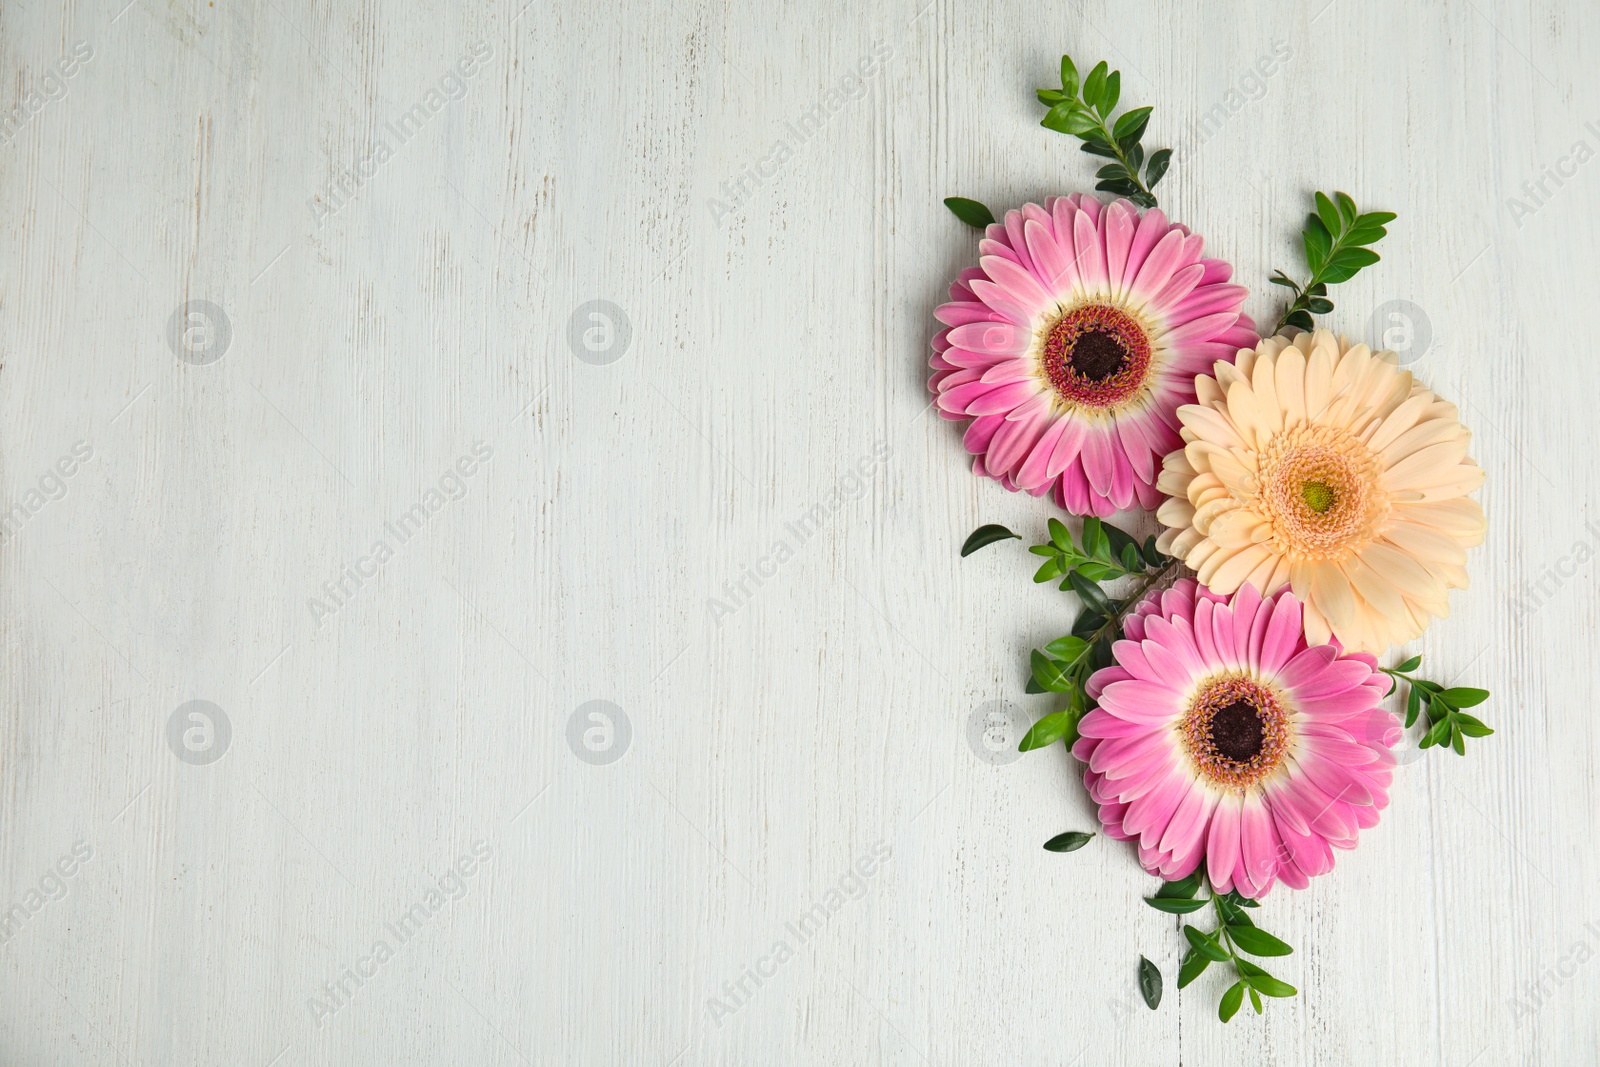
x=1222, y=737
x=1074, y=342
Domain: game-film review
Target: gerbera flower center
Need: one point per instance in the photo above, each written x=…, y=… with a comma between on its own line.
x=1318, y=486
x=1236, y=730
x=1319, y=496
x=1095, y=356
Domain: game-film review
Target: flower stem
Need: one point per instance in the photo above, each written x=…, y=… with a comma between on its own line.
x=1133, y=599
x=1123, y=158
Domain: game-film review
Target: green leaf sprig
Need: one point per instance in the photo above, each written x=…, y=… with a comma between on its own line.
x=1448, y=725
x=1336, y=240
x=1101, y=553
x=1235, y=933
x=1084, y=110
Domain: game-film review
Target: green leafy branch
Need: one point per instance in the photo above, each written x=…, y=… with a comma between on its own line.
x=1101, y=553
x=1448, y=725
x=1336, y=240
x=1235, y=933
x=1085, y=115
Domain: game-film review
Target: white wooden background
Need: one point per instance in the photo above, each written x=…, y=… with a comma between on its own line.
x=774, y=352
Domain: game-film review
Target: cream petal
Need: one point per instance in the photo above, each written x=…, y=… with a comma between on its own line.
x=1228, y=571
x=1425, y=544
x=1383, y=596
x=1434, y=465
x=1211, y=425
x=1331, y=592
x=1398, y=421
x=1290, y=380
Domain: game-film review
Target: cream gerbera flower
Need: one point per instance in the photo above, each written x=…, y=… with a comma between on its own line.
x=1322, y=465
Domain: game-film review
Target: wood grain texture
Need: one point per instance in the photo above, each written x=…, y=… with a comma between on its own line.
x=394, y=317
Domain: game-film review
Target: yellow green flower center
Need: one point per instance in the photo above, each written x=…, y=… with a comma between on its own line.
x=1319, y=488
x=1319, y=496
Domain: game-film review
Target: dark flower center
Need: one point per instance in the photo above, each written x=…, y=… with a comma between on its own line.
x=1097, y=355
x=1236, y=732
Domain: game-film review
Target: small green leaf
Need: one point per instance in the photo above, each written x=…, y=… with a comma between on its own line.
x=1116, y=540
x=1131, y=560
x=1438, y=734
x=1050, y=673
x=1060, y=536
x=1205, y=944
x=1112, y=94
x=1347, y=208
x=1193, y=966
x=1410, y=665
x=1319, y=305
x=1096, y=147
x=1413, y=705
x=1300, y=319
x=1090, y=593
x=1231, y=1001
x=1047, y=731
x=1069, y=76
x=1099, y=572
x=1181, y=889
x=1149, y=983
x=1095, y=542
x=1365, y=235
x=1067, y=648
x=1231, y=908
x=1144, y=200
x=1088, y=622
x=984, y=536
x=1456, y=741
x=1463, y=697
x=1157, y=168
x=1132, y=123
x=1070, y=119
x=1113, y=172
x=1472, y=727
x=1317, y=243
x=1070, y=841
x=1175, y=907
x=1153, y=554
x=1255, y=1001
x=1329, y=214
x=1094, y=86
x=1257, y=978
x=1050, y=97
x=1258, y=942
x=970, y=212
x=1050, y=570
x=1280, y=278
x=1354, y=258
x=1125, y=187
